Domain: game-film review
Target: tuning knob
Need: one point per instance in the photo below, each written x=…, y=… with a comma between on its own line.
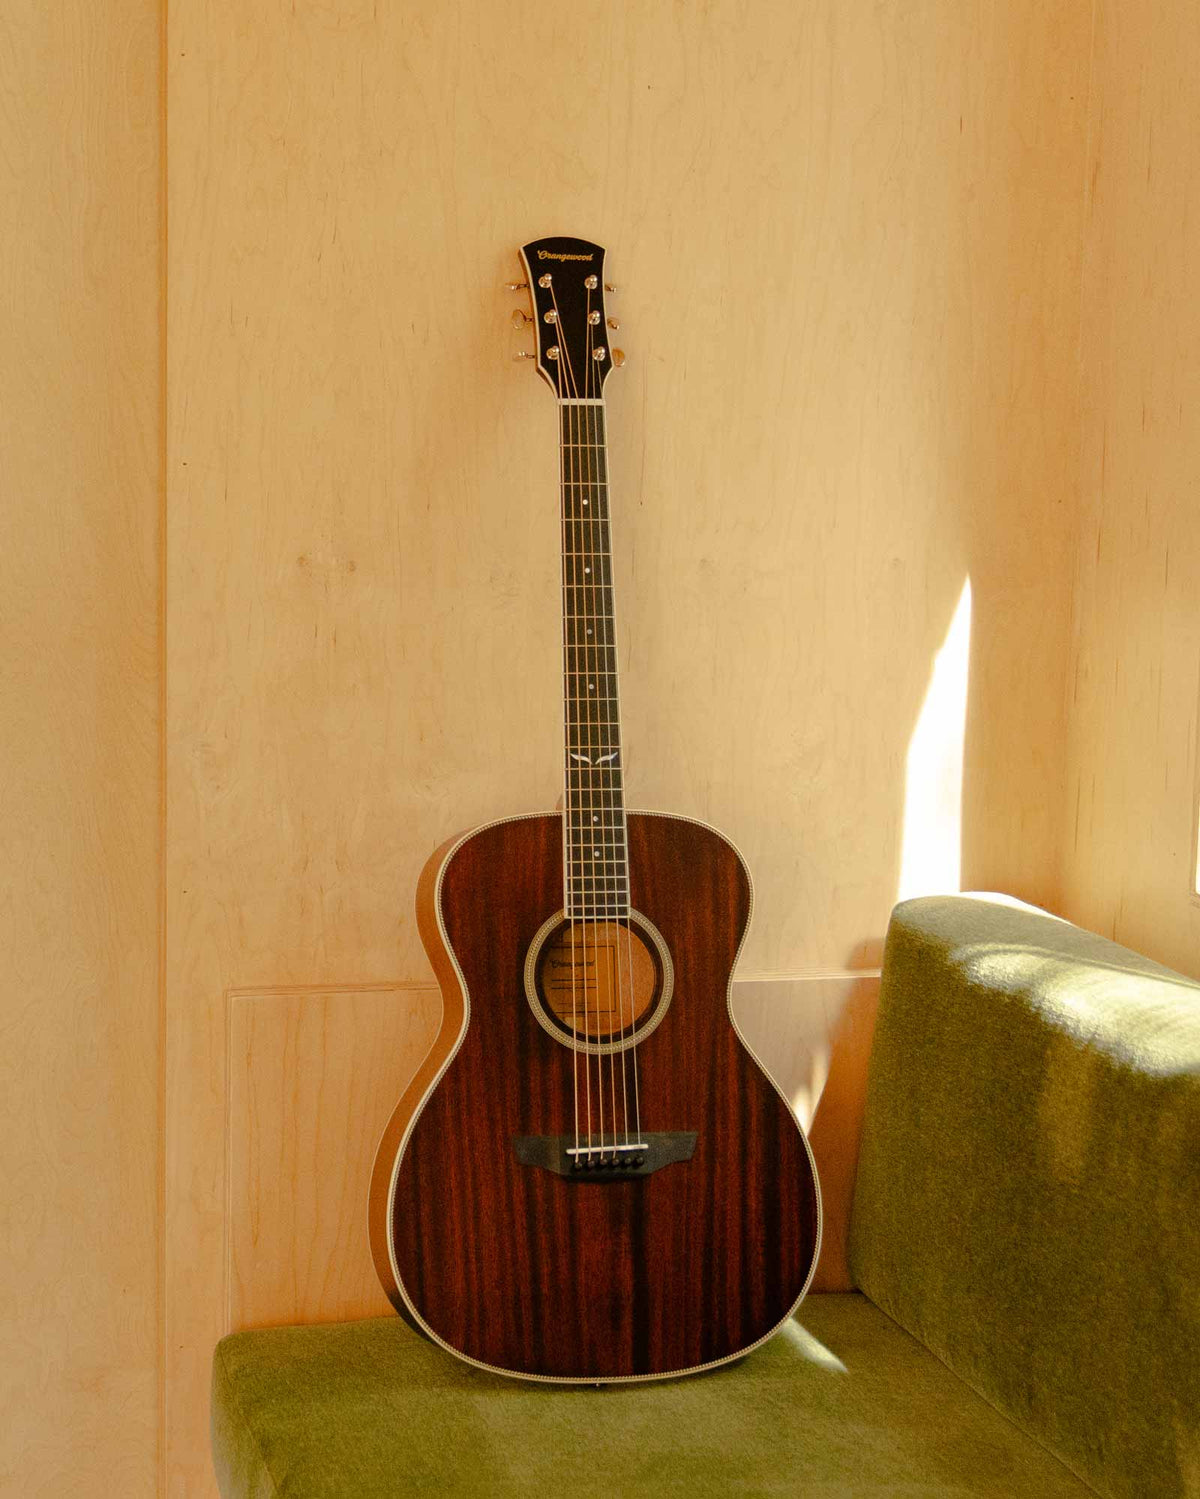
x=613, y=323
x=618, y=357
x=608, y=286
x=516, y=286
x=520, y=319
x=523, y=355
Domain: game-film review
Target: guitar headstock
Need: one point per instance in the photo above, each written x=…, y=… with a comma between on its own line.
x=570, y=323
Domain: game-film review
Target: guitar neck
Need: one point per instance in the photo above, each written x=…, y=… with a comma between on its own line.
x=595, y=853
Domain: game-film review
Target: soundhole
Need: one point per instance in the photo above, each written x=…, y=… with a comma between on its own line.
x=597, y=978
x=598, y=986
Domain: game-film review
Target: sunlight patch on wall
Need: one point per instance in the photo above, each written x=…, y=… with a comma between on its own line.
x=931, y=855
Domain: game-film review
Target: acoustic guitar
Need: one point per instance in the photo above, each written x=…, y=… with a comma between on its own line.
x=590, y=1178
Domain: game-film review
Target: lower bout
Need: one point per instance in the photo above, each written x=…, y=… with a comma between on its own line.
x=614, y=1285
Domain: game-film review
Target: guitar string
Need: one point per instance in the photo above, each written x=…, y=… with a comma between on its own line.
x=624, y=830
x=567, y=380
x=603, y=524
x=589, y=871
x=614, y=876
x=568, y=872
x=610, y=871
x=595, y=534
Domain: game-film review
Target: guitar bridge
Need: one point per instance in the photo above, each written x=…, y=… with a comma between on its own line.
x=607, y=1158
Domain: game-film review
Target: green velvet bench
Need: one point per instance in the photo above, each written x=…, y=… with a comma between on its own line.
x=1026, y=1243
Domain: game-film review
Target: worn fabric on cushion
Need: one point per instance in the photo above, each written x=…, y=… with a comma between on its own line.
x=1028, y=1197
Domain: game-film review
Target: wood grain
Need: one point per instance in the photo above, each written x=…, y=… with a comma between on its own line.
x=625, y=1279
x=847, y=242
x=79, y=748
x=803, y=474
x=1130, y=845
x=310, y=1077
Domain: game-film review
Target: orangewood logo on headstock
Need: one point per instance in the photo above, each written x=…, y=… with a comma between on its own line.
x=559, y=255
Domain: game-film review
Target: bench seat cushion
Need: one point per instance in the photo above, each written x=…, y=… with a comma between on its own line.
x=841, y=1402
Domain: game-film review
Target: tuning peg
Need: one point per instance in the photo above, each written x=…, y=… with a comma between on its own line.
x=608, y=286
x=618, y=357
x=516, y=286
x=520, y=319
x=612, y=323
x=523, y=355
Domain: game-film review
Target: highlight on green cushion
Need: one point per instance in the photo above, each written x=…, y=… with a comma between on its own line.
x=841, y=1402
x=1028, y=1197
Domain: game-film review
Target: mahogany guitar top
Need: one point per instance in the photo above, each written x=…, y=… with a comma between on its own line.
x=530, y=1272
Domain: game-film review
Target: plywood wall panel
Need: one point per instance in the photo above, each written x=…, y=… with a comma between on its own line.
x=310, y=1076
x=847, y=244
x=1135, y=656
x=79, y=763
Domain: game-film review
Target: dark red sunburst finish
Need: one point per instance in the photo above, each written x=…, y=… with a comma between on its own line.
x=548, y=1276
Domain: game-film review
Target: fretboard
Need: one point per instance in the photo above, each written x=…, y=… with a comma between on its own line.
x=595, y=850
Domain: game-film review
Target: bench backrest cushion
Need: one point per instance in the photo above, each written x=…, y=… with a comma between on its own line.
x=1028, y=1196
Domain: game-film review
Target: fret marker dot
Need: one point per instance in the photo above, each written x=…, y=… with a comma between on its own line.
x=587, y=569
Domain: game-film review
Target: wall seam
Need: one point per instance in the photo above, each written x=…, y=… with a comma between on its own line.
x=162, y=751
x=1069, y=826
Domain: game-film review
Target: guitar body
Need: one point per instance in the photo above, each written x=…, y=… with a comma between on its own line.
x=528, y=1263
